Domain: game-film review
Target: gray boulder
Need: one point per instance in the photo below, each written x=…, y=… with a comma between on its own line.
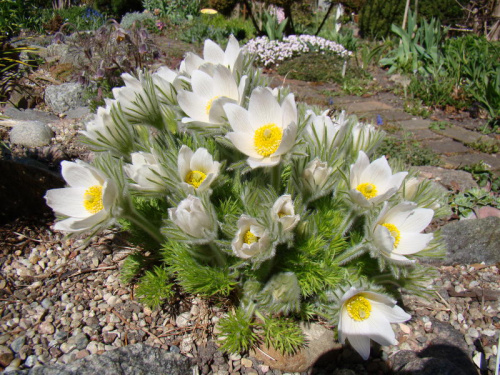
x=30, y=115
x=472, y=241
x=30, y=134
x=62, y=98
x=450, y=178
x=138, y=359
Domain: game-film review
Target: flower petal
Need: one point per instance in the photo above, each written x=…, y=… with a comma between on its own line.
x=76, y=225
x=289, y=109
x=184, y=161
x=377, y=173
x=264, y=109
x=411, y=243
x=238, y=118
x=242, y=142
x=265, y=162
x=362, y=162
x=80, y=174
x=288, y=140
x=202, y=84
x=193, y=105
x=67, y=201
x=393, y=314
x=212, y=53
x=203, y=161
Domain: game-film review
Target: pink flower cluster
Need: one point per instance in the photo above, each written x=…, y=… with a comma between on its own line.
x=278, y=12
x=272, y=52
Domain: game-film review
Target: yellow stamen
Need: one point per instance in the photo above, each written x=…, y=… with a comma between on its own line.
x=358, y=308
x=267, y=139
x=209, y=104
x=367, y=189
x=92, y=199
x=250, y=238
x=395, y=233
x=195, y=178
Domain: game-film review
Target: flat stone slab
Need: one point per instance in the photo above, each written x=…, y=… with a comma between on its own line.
x=459, y=134
x=415, y=123
x=30, y=115
x=395, y=115
x=457, y=161
x=446, y=146
x=449, y=178
x=425, y=134
x=368, y=106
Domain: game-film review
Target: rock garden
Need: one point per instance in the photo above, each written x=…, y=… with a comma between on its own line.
x=240, y=187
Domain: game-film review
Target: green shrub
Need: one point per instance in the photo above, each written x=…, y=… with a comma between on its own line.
x=217, y=28
x=377, y=16
x=140, y=19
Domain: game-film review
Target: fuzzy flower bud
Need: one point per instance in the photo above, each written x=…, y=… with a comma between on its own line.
x=192, y=218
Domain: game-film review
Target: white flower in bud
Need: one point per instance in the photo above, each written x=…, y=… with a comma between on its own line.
x=316, y=174
x=192, y=218
x=283, y=212
x=321, y=128
x=146, y=172
x=251, y=239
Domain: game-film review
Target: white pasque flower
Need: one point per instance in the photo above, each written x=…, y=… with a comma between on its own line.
x=251, y=239
x=210, y=92
x=197, y=170
x=363, y=136
x=372, y=183
x=146, y=172
x=316, y=174
x=167, y=82
x=192, y=218
x=87, y=201
x=397, y=231
x=322, y=130
x=283, y=212
x=265, y=131
x=367, y=315
x=232, y=58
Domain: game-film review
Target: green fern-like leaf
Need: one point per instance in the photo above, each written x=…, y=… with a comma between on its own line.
x=283, y=335
x=237, y=332
x=154, y=288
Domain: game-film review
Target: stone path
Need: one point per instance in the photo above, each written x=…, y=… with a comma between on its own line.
x=450, y=141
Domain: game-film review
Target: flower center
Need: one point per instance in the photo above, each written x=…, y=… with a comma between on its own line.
x=92, y=199
x=267, y=139
x=395, y=233
x=367, y=189
x=250, y=238
x=209, y=104
x=358, y=308
x=195, y=178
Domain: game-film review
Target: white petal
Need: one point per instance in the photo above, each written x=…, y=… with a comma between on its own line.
x=397, y=179
x=224, y=83
x=242, y=142
x=80, y=174
x=184, y=161
x=67, y=201
x=362, y=162
x=264, y=109
x=411, y=243
x=217, y=113
x=238, y=118
x=202, y=161
x=358, y=336
x=193, y=105
x=377, y=173
x=416, y=221
x=213, y=53
x=393, y=313
x=266, y=162
x=289, y=110
x=76, y=225
x=383, y=239
x=191, y=62
x=381, y=329
x=359, y=198
x=288, y=140
x=202, y=84
x=109, y=194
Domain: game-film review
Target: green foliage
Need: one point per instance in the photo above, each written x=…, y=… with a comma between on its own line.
x=133, y=265
x=154, y=289
x=377, y=16
x=318, y=67
x=137, y=19
x=274, y=29
x=437, y=91
x=465, y=203
x=439, y=125
x=486, y=145
x=176, y=11
x=224, y=7
x=237, y=331
x=217, y=28
x=16, y=15
x=409, y=151
x=481, y=172
x=284, y=335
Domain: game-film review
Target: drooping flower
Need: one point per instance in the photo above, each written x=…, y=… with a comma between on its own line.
x=88, y=201
x=192, y=218
x=397, y=231
x=146, y=172
x=231, y=58
x=373, y=183
x=205, y=103
x=367, y=315
x=283, y=212
x=251, y=239
x=266, y=131
x=196, y=170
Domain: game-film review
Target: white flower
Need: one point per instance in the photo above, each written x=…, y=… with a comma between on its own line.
x=367, y=315
x=232, y=58
x=87, y=201
x=265, y=131
x=205, y=103
x=197, y=170
x=397, y=231
x=316, y=174
x=373, y=183
x=322, y=130
x=363, y=137
x=283, y=212
x=192, y=218
x=167, y=82
x=126, y=95
x=146, y=172
x=251, y=239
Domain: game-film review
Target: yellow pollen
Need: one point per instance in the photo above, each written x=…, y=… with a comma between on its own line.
x=267, y=139
x=209, y=104
x=281, y=214
x=92, y=199
x=195, y=178
x=395, y=233
x=367, y=189
x=358, y=308
x=250, y=238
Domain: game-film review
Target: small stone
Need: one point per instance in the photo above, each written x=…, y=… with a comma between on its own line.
x=405, y=328
x=174, y=349
x=13, y=366
x=31, y=361
x=6, y=356
x=113, y=301
x=61, y=335
x=428, y=327
x=246, y=363
x=183, y=320
x=46, y=328
x=489, y=332
x=472, y=332
x=82, y=354
x=92, y=347
x=17, y=344
x=109, y=337
x=46, y=303
x=264, y=368
x=186, y=344
x=235, y=357
x=478, y=359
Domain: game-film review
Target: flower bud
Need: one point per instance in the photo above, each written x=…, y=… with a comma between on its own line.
x=192, y=218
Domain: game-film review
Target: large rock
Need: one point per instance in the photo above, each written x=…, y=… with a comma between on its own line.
x=138, y=359
x=30, y=134
x=450, y=178
x=22, y=187
x=62, y=98
x=30, y=115
x=320, y=342
x=472, y=241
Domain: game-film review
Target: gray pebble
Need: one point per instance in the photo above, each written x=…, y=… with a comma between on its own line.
x=31, y=134
x=17, y=344
x=175, y=349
